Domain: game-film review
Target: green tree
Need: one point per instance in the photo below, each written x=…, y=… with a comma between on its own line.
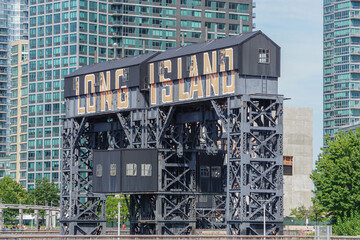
x=112, y=209
x=300, y=213
x=11, y=192
x=45, y=192
x=349, y=226
x=313, y=213
x=337, y=176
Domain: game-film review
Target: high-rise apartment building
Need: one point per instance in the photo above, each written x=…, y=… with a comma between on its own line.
x=4, y=75
x=65, y=35
x=16, y=12
x=19, y=111
x=341, y=64
x=150, y=25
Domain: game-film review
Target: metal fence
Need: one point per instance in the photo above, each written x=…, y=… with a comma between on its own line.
x=154, y=237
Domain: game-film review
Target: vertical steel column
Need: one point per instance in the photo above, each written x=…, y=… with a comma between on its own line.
x=175, y=202
x=255, y=165
x=82, y=212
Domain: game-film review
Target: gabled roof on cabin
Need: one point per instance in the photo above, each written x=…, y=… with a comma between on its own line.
x=207, y=46
x=113, y=64
x=168, y=54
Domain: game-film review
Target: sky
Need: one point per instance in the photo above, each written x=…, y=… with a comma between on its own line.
x=296, y=26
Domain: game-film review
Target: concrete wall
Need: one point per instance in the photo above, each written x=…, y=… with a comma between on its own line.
x=298, y=142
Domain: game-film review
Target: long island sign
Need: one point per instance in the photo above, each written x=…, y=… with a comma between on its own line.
x=176, y=76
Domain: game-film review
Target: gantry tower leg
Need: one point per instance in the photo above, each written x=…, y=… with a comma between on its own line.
x=254, y=163
x=82, y=212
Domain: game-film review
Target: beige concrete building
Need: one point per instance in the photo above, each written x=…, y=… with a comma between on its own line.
x=18, y=111
x=298, y=158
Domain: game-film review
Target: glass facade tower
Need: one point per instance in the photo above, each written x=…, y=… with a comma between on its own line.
x=4, y=94
x=160, y=24
x=16, y=12
x=341, y=81
x=19, y=111
x=65, y=35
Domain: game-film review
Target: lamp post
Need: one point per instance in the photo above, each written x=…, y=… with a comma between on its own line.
x=115, y=45
x=119, y=208
x=316, y=217
x=264, y=219
x=264, y=206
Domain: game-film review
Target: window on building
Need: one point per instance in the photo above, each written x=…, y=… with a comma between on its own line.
x=55, y=176
x=146, y=170
x=47, y=155
x=23, y=165
x=13, y=175
x=113, y=169
x=55, y=155
x=38, y=166
x=131, y=169
x=99, y=170
x=204, y=171
x=288, y=163
x=216, y=171
x=264, y=55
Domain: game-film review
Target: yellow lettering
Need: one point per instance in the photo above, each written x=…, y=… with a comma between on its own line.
x=212, y=81
x=167, y=82
x=152, y=84
x=81, y=110
x=193, y=67
x=229, y=88
x=162, y=66
x=182, y=94
x=207, y=66
x=119, y=73
x=90, y=78
x=212, y=78
x=196, y=87
x=179, y=68
x=122, y=98
x=167, y=97
x=230, y=55
x=105, y=93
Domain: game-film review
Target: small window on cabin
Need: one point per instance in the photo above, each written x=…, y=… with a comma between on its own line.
x=146, y=170
x=131, y=169
x=204, y=171
x=99, y=169
x=264, y=56
x=216, y=172
x=113, y=169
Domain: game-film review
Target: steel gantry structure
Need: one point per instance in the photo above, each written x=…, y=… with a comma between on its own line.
x=220, y=103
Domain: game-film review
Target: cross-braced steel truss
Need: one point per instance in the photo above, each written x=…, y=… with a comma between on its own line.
x=248, y=129
x=254, y=163
x=82, y=212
